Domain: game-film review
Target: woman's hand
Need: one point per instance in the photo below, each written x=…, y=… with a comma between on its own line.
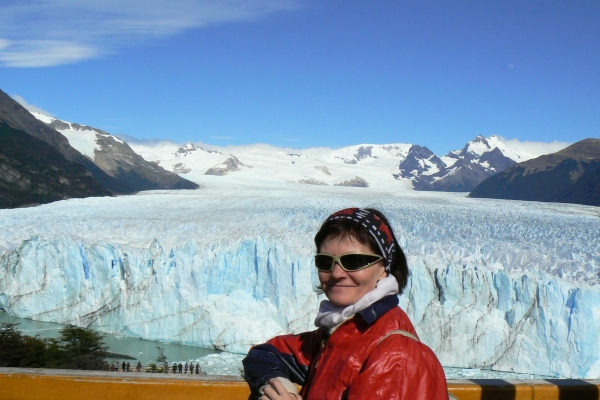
x=276, y=391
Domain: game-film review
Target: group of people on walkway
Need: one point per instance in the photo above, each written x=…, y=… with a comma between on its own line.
x=177, y=368
x=183, y=369
x=125, y=366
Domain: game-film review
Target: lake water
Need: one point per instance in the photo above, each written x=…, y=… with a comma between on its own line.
x=139, y=349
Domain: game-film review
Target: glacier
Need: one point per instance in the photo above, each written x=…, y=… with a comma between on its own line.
x=501, y=285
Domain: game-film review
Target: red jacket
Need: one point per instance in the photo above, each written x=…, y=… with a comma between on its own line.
x=354, y=362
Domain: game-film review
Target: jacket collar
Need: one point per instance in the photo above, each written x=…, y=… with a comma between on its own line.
x=380, y=307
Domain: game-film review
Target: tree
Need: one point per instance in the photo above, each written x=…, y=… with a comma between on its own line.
x=82, y=348
x=35, y=352
x=12, y=348
x=162, y=359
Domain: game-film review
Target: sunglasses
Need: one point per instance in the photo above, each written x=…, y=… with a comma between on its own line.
x=349, y=261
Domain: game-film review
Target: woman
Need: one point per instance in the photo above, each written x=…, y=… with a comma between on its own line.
x=365, y=346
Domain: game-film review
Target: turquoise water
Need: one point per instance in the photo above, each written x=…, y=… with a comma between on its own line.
x=140, y=349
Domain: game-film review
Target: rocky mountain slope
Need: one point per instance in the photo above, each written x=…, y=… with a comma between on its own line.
x=571, y=175
x=37, y=161
x=116, y=158
x=16, y=116
x=34, y=172
x=460, y=170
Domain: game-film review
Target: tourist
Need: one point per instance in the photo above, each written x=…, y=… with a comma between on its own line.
x=365, y=346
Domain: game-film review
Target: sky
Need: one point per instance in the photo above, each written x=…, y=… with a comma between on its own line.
x=310, y=73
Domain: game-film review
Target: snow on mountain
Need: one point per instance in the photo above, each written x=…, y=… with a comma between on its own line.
x=361, y=165
x=81, y=137
x=402, y=166
x=511, y=286
x=460, y=170
x=115, y=157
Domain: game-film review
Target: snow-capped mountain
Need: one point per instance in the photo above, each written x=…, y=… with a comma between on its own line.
x=115, y=157
x=403, y=166
x=364, y=165
x=460, y=170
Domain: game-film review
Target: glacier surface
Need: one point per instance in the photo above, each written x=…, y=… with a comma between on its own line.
x=503, y=285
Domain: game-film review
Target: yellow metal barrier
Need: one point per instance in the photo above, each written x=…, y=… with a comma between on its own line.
x=34, y=384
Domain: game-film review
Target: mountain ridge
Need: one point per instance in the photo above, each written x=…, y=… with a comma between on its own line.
x=571, y=175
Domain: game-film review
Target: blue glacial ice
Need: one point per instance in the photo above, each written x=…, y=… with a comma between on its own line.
x=511, y=286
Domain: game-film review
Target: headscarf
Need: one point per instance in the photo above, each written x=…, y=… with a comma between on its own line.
x=375, y=226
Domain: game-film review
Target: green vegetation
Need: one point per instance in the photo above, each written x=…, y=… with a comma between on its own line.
x=76, y=348
x=162, y=359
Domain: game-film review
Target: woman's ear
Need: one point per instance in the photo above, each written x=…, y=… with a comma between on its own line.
x=383, y=274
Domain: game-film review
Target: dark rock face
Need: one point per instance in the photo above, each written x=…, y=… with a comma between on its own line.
x=355, y=182
x=232, y=164
x=418, y=166
x=34, y=172
x=571, y=175
x=429, y=173
x=117, y=159
x=18, y=117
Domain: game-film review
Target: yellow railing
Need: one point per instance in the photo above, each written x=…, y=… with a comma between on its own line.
x=34, y=384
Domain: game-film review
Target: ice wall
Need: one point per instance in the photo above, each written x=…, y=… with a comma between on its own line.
x=504, y=285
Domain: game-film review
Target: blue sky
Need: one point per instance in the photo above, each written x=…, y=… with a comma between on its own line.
x=310, y=73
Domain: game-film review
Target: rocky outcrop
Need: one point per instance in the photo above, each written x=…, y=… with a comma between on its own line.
x=310, y=181
x=117, y=159
x=231, y=164
x=356, y=182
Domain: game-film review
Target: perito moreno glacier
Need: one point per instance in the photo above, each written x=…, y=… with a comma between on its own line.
x=505, y=285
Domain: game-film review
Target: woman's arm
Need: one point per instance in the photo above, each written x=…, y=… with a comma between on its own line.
x=287, y=356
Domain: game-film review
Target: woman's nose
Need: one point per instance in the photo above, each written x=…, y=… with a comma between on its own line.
x=337, y=270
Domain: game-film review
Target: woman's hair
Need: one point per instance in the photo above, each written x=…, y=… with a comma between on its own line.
x=344, y=229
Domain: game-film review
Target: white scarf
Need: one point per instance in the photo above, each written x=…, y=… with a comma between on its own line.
x=331, y=316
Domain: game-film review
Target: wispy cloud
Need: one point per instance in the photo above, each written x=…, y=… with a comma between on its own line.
x=31, y=107
x=535, y=149
x=40, y=33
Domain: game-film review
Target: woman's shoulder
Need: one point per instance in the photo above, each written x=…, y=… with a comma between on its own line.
x=392, y=320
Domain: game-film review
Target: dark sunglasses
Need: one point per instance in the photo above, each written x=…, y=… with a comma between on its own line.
x=349, y=261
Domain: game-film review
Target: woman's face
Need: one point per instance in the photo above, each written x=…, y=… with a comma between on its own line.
x=345, y=288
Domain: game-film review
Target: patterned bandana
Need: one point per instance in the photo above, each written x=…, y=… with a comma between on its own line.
x=376, y=227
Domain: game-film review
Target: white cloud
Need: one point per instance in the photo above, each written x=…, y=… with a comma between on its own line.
x=37, y=33
x=534, y=149
x=44, y=53
x=31, y=107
